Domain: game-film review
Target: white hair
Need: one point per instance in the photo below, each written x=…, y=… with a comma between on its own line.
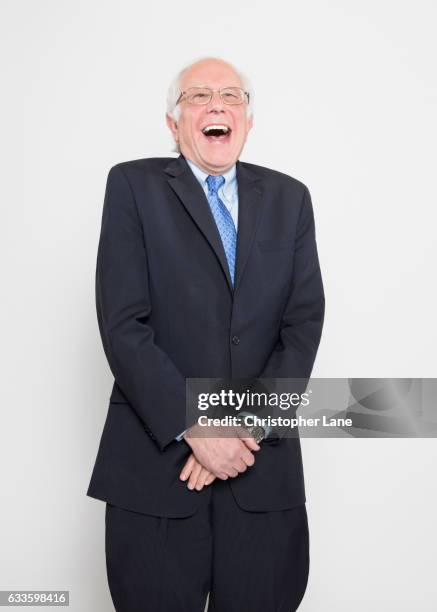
x=174, y=90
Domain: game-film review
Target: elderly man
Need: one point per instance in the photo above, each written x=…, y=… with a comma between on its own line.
x=207, y=267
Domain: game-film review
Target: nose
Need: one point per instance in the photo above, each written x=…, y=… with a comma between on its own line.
x=216, y=103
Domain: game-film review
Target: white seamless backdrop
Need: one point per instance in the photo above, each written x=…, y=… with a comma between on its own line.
x=345, y=101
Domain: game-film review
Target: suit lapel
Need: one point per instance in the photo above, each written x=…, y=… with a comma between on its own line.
x=250, y=203
x=187, y=188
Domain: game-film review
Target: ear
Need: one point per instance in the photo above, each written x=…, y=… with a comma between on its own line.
x=173, y=126
x=250, y=123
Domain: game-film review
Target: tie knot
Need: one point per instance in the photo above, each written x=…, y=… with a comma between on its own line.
x=214, y=183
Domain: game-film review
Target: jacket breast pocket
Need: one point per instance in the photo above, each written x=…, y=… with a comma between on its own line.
x=274, y=244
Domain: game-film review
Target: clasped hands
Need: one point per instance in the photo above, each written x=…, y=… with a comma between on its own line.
x=216, y=456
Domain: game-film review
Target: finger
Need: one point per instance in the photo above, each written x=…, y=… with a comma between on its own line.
x=240, y=466
x=222, y=475
x=194, y=475
x=251, y=443
x=248, y=458
x=232, y=472
x=188, y=468
x=201, y=479
x=210, y=479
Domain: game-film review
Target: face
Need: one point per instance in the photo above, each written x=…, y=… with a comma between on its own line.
x=213, y=154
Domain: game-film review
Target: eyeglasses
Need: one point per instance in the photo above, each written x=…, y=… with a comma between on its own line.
x=203, y=95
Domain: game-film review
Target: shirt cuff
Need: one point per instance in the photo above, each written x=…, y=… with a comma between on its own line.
x=180, y=436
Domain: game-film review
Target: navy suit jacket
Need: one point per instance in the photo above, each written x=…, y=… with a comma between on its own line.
x=167, y=311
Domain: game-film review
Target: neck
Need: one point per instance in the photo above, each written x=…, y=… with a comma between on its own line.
x=213, y=171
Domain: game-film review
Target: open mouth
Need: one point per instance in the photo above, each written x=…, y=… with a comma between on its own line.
x=217, y=132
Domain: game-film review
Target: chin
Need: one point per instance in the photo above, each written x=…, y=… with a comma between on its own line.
x=219, y=159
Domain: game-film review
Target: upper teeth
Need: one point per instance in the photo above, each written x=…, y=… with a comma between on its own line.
x=217, y=126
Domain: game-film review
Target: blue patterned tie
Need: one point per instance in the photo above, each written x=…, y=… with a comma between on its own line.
x=224, y=221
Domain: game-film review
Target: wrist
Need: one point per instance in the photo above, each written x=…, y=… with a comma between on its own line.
x=258, y=432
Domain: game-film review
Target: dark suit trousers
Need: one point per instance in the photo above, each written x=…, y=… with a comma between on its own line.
x=247, y=561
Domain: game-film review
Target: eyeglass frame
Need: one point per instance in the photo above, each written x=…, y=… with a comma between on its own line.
x=246, y=93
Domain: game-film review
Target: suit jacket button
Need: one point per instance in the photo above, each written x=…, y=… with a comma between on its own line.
x=235, y=340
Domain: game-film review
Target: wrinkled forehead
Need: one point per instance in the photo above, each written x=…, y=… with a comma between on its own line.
x=213, y=75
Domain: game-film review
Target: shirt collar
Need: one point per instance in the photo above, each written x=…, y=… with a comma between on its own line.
x=230, y=176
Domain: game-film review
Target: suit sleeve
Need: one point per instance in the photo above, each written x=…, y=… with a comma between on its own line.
x=302, y=319
x=144, y=372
